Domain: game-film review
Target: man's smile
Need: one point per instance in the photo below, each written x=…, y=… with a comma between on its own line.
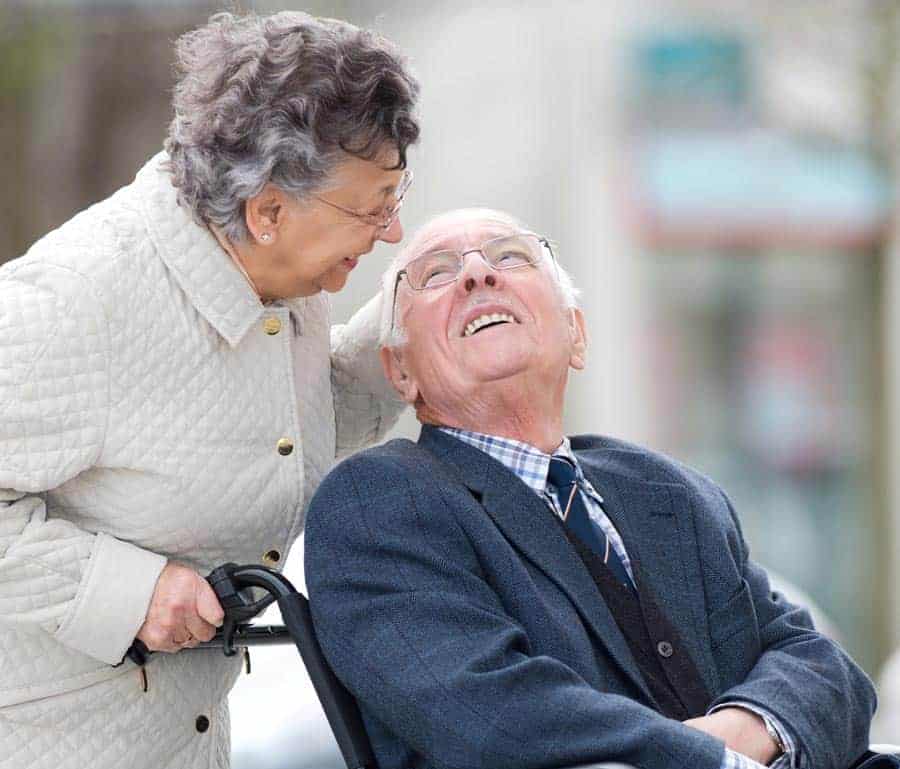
x=485, y=315
x=487, y=320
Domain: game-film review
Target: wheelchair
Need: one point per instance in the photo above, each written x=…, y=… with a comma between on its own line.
x=232, y=584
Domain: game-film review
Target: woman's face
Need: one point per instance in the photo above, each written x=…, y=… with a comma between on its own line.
x=314, y=244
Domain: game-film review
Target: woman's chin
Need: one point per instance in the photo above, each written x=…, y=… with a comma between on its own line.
x=334, y=280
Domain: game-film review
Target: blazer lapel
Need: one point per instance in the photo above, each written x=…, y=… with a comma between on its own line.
x=656, y=524
x=527, y=523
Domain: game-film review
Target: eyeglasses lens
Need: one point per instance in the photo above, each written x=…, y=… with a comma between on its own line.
x=386, y=218
x=441, y=267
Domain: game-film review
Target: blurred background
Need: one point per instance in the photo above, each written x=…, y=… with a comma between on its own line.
x=719, y=176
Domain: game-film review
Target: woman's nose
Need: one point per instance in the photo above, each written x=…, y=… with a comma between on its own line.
x=393, y=233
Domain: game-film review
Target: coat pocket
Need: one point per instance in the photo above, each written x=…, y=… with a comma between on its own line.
x=734, y=632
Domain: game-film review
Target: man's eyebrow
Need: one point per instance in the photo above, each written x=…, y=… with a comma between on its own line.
x=443, y=243
x=447, y=242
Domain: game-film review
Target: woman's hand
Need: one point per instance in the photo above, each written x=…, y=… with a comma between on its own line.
x=183, y=612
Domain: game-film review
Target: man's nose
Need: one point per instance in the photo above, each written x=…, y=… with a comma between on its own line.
x=476, y=272
x=393, y=233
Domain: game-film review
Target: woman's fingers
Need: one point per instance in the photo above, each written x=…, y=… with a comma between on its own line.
x=208, y=607
x=183, y=612
x=199, y=629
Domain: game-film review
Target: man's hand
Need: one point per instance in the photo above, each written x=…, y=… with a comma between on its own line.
x=183, y=612
x=741, y=730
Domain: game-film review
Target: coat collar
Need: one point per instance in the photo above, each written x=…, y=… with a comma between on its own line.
x=206, y=274
x=526, y=521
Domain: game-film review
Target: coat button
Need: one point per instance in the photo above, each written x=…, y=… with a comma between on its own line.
x=272, y=326
x=202, y=724
x=272, y=557
x=665, y=649
x=285, y=446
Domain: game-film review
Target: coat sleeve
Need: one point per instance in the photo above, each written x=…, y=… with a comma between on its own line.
x=365, y=404
x=414, y=630
x=87, y=589
x=803, y=678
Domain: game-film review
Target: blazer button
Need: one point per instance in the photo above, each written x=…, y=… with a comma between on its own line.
x=665, y=649
x=272, y=557
x=285, y=446
x=272, y=326
x=202, y=724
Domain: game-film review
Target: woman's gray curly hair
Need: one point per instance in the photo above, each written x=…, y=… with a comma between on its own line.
x=281, y=98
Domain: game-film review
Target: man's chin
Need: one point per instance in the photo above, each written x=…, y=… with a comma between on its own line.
x=496, y=370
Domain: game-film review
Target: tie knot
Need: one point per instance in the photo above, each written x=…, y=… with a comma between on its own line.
x=561, y=472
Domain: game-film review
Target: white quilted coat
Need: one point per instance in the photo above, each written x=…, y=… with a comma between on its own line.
x=144, y=390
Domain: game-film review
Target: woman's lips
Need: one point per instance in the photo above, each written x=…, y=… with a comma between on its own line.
x=350, y=262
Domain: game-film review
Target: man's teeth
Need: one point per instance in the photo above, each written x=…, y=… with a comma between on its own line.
x=486, y=320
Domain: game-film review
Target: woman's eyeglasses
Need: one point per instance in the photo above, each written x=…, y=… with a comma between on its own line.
x=384, y=218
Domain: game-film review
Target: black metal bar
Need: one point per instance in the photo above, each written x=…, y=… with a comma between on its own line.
x=340, y=708
x=251, y=635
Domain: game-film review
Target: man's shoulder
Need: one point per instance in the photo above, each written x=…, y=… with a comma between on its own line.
x=376, y=473
x=397, y=492
x=398, y=457
x=617, y=456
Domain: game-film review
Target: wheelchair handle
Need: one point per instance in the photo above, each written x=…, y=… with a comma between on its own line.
x=230, y=582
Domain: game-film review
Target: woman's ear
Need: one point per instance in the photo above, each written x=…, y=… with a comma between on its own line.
x=263, y=214
x=578, y=338
x=392, y=361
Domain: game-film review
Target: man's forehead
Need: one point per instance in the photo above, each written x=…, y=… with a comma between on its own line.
x=463, y=230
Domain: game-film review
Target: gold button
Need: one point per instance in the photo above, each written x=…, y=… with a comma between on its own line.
x=272, y=326
x=285, y=446
x=272, y=557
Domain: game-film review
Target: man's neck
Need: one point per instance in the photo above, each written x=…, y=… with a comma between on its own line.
x=508, y=410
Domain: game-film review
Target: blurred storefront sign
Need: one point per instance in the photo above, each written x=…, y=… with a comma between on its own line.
x=756, y=189
x=761, y=258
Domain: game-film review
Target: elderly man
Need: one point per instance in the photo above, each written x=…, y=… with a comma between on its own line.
x=498, y=595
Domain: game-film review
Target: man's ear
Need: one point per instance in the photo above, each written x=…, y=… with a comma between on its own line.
x=264, y=213
x=394, y=365
x=578, y=338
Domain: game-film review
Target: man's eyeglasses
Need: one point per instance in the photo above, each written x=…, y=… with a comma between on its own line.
x=440, y=268
x=384, y=218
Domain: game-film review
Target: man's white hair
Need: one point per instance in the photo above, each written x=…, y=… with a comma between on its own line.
x=421, y=241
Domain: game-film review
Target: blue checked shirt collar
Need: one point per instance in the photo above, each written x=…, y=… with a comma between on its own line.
x=530, y=464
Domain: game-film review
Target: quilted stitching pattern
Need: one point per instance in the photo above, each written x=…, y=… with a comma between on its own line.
x=99, y=726
x=140, y=397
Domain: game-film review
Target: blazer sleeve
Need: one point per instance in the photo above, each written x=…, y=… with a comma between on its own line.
x=89, y=590
x=365, y=404
x=414, y=630
x=802, y=677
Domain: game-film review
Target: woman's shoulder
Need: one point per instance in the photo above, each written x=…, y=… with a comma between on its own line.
x=88, y=247
x=100, y=244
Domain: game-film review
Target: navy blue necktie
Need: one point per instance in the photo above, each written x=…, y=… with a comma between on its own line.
x=562, y=475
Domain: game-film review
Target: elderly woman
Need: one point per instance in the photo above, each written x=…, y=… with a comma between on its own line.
x=171, y=392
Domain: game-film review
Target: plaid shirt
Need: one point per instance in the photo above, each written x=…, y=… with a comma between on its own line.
x=531, y=465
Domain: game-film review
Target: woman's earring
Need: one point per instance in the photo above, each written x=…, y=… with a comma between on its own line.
x=265, y=237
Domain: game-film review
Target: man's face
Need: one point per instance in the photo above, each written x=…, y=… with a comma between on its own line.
x=444, y=363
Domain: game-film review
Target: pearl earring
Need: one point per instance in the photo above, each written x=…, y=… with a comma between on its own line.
x=265, y=237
